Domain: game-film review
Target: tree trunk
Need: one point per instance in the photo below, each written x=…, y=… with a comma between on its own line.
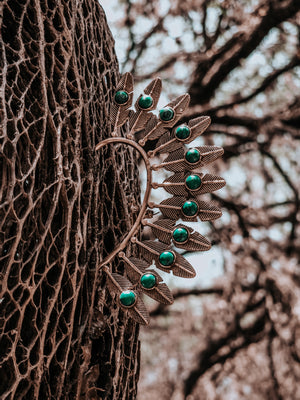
x=63, y=206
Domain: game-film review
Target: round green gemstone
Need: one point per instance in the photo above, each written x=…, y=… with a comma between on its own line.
x=121, y=97
x=190, y=208
x=145, y=102
x=166, y=258
x=192, y=156
x=193, y=182
x=127, y=298
x=180, y=235
x=148, y=281
x=166, y=114
x=182, y=132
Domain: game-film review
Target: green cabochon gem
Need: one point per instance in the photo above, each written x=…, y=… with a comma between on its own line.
x=166, y=114
x=192, y=156
x=166, y=258
x=145, y=102
x=127, y=298
x=190, y=208
x=180, y=235
x=121, y=97
x=182, y=132
x=148, y=281
x=193, y=182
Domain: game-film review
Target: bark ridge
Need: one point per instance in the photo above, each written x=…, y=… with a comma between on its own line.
x=63, y=207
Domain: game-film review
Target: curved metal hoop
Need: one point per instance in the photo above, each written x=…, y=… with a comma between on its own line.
x=144, y=205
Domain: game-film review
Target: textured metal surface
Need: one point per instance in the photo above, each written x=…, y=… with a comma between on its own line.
x=156, y=127
x=163, y=230
x=119, y=113
x=135, y=268
x=175, y=184
x=139, y=119
x=150, y=127
x=176, y=161
x=168, y=141
x=196, y=242
x=150, y=251
x=172, y=208
x=118, y=283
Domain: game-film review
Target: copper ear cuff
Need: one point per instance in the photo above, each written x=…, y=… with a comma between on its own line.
x=185, y=185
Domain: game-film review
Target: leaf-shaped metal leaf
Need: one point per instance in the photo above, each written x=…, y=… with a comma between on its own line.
x=176, y=160
x=172, y=208
x=154, y=124
x=168, y=141
x=208, y=211
x=136, y=268
x=164, y=228
x=196, y=242
x=175, y=184
x=119, y=112
x=156, y=127
x=198, y=126
x=139, y=119
x=151, y=250
x=117, y=284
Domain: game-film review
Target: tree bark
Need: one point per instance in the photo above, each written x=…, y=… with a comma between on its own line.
x=63, y=206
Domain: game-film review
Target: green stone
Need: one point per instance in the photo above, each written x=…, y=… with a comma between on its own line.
x=166, y=258
x=148, y=281
x=182, y=132
x=180, y=235
x=145, y=102
x=127, y=298
x=121, y=97
x=190, y=208
x=166, y=114
x=192, y=156
x=193, y=182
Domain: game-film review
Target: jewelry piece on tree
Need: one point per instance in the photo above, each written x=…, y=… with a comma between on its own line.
x=186, y=185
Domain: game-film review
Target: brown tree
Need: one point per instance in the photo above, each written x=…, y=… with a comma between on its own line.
x=63, y=206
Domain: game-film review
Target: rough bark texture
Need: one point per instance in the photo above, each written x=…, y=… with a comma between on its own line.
x=63, y=207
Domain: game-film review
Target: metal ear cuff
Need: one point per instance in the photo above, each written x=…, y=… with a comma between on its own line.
x=185, y=185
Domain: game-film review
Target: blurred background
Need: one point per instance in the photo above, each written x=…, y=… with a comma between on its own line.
x=234, y=330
